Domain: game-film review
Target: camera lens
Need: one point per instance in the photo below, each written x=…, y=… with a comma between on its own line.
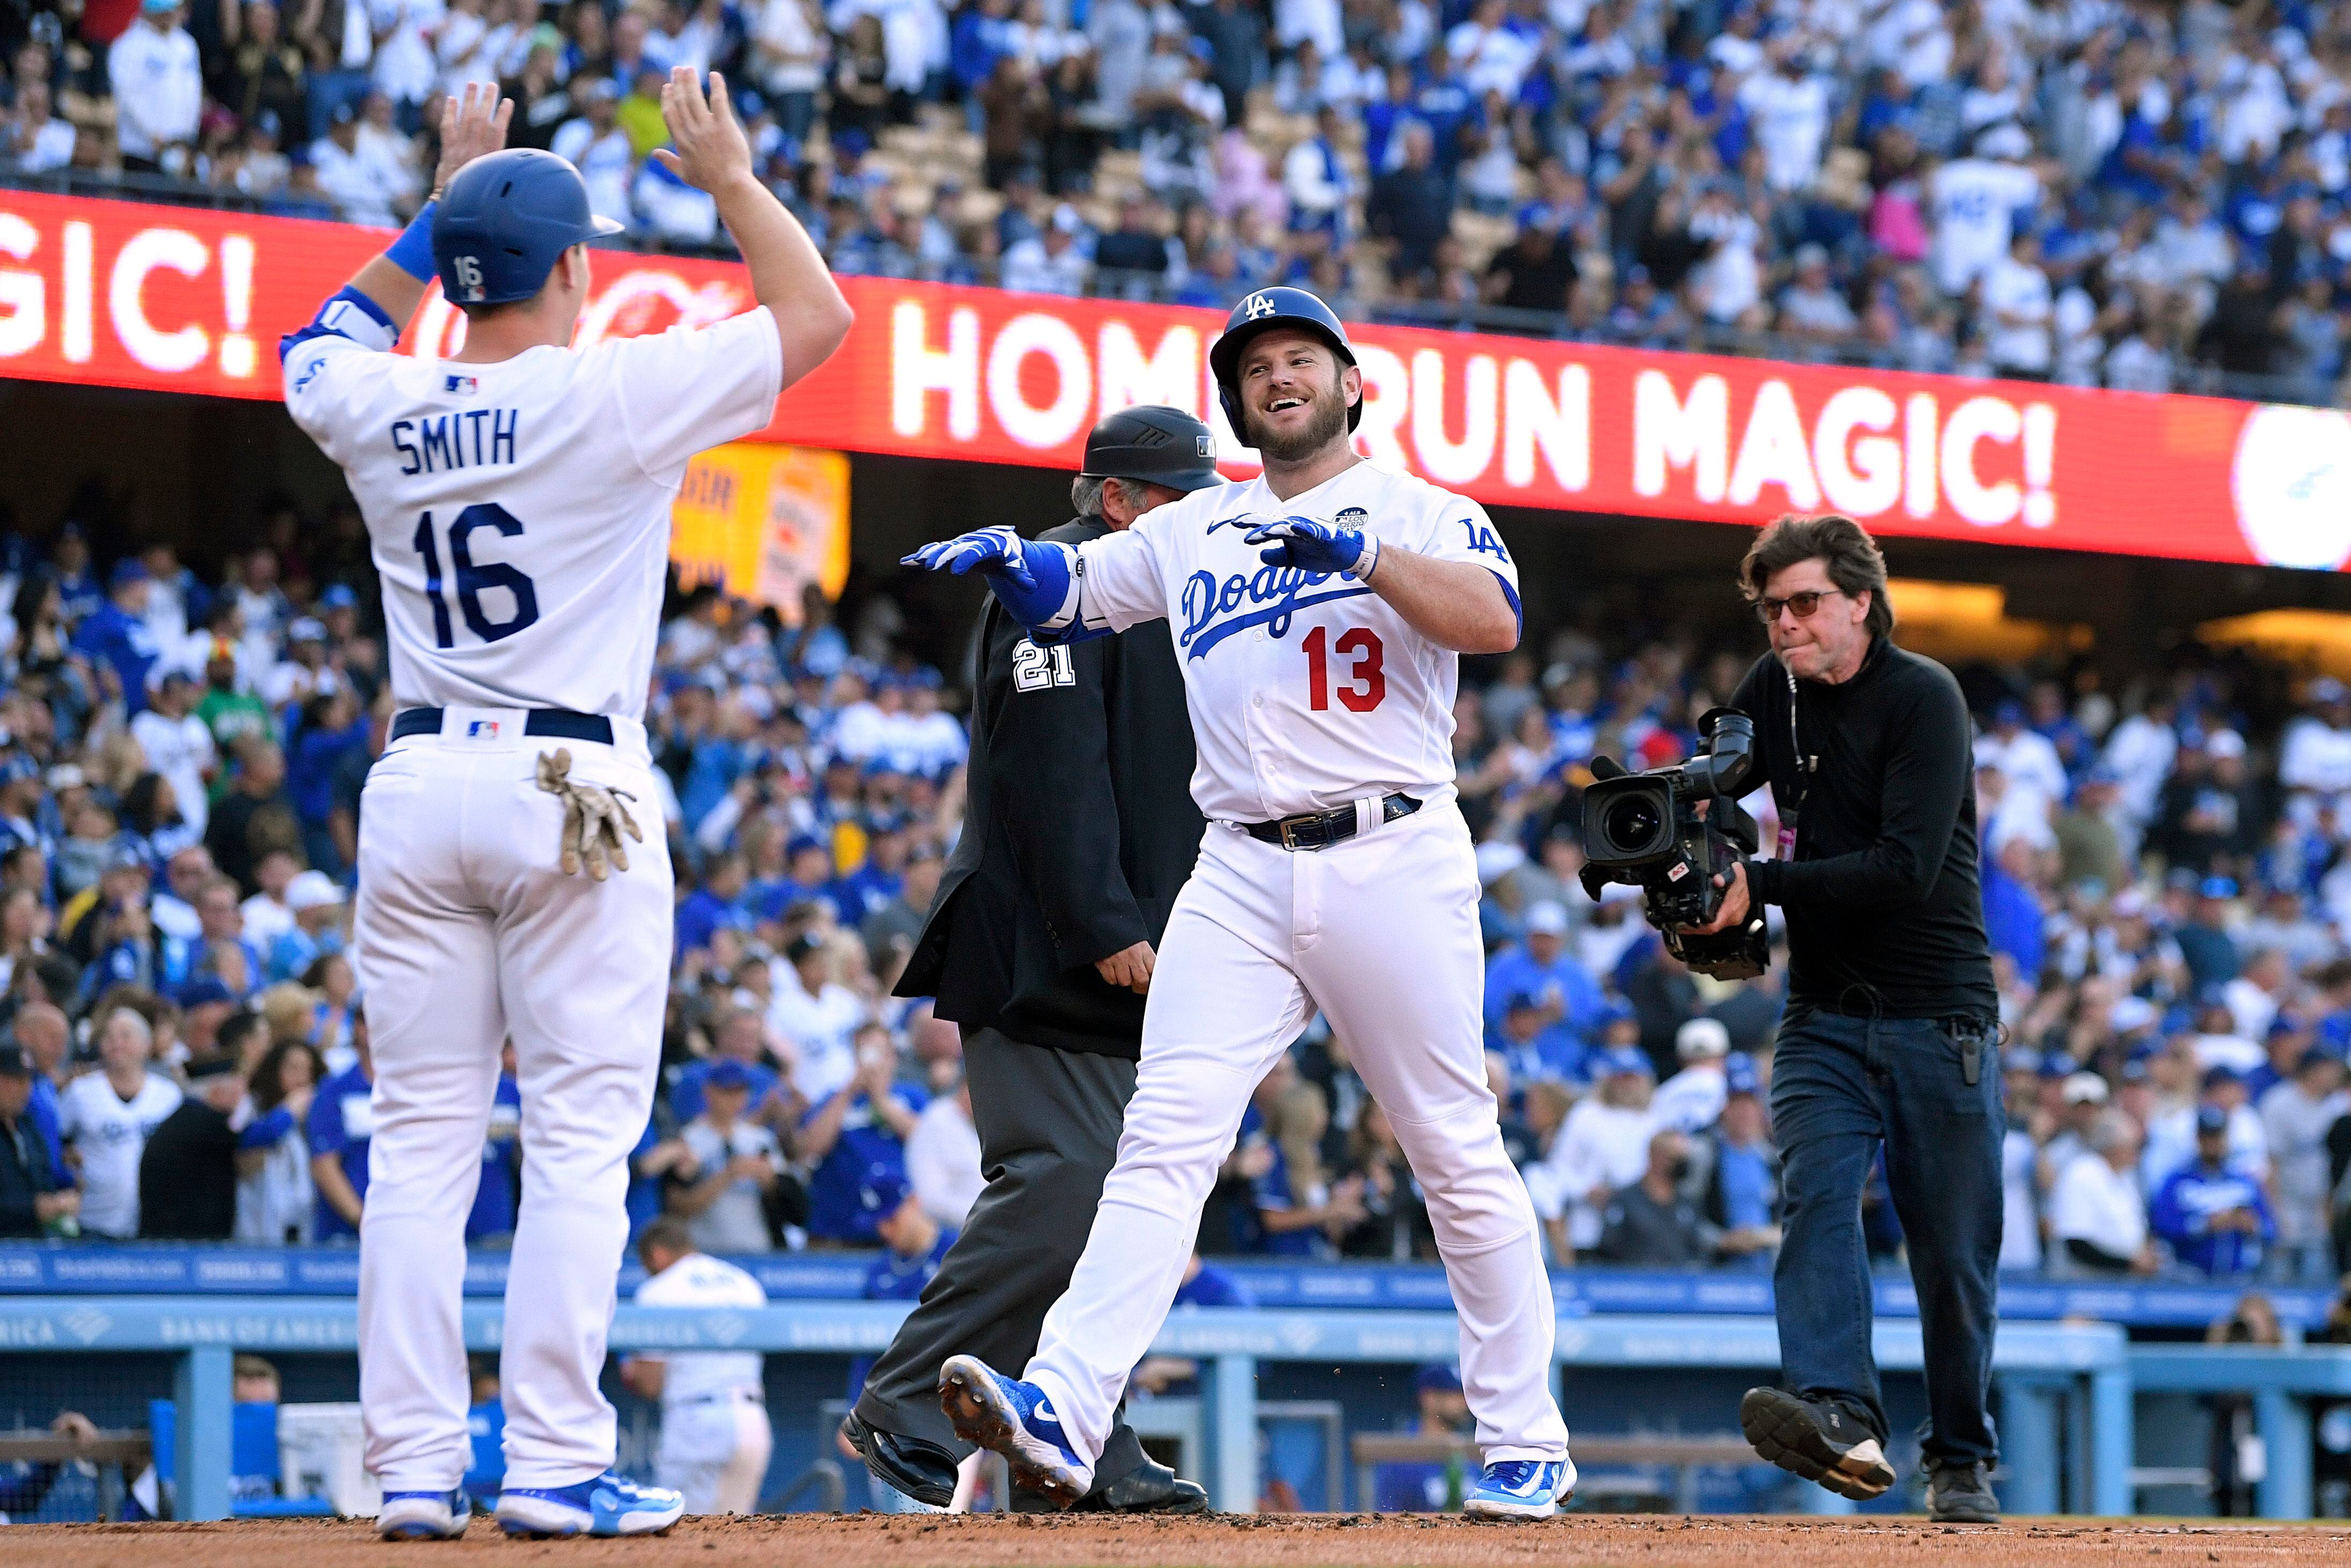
x=1631, y=824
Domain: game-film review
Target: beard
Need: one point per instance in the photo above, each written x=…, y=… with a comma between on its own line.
x=1329, y=424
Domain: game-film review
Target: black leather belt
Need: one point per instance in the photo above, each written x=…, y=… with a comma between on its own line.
x=1320, y=829
x=555, y=723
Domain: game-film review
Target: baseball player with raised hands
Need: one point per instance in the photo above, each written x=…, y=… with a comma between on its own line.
x=517, y=499
x=1319, y=612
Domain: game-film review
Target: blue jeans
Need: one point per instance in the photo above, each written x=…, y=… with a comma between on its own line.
x=1839, y=1085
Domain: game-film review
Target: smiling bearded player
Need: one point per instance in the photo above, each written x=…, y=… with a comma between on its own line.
x=1318, y=613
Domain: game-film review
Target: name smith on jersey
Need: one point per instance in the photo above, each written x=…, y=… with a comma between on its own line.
x=471, y=438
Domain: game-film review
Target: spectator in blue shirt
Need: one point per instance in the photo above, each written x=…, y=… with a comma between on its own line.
x=1204, y=1285
x=874, y=883
x=1542, y=967
x=1431, y=1485
x=42, y=1029
x=1535, y=1045
x=716, y=904
x=914, y=1245
x=317, y=904
x=807, y=878
x=116, y=634
x=736, y=1035
x=1742, y=1183
x=332, y=727
x=855, y=1138
x=77, y=589
x=2014, y=917
x=485, y=1429
x=2213, y=1212
x=21, y=800
x=492, y=1219
x=2205, y=944
x=342, y=1123
x=658, y=1153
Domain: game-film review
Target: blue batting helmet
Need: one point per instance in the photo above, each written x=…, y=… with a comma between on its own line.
x=1258, y=312
x=502, y=223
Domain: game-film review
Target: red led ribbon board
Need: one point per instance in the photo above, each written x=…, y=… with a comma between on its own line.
x=190, y=301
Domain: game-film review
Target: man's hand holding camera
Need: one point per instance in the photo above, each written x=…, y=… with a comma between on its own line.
x=1734, y=903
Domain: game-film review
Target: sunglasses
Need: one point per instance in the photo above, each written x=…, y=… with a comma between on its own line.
x=1804, y=604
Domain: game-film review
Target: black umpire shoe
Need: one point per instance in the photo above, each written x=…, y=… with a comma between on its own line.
x=923, y=1470
x=1816, y=1440
x=1960, y=1494
x=1152, y=1488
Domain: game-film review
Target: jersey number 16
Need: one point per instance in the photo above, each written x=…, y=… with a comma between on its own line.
x=473, y=578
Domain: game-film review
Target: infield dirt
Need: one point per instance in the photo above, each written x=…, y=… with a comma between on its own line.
x=1280, y=1540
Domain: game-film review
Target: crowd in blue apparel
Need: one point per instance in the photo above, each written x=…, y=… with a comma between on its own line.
x=2165, y=887
x=2098, y=192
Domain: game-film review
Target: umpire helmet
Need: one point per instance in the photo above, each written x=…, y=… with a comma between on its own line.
x=1154, y=443
x=1266, y=309
x=504, y=222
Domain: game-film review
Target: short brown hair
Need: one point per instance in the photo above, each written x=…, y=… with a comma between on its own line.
x=1838, y=543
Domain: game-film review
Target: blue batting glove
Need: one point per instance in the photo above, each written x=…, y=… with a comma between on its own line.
x=1309, y=546
x=995, y=551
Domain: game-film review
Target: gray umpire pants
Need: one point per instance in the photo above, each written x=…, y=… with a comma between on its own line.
x=1048, y=1122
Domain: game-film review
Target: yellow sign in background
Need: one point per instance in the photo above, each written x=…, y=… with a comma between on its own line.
x=764, y=522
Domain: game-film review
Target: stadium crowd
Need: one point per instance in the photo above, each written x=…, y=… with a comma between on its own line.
x=185, y=1056
x=2105, y=192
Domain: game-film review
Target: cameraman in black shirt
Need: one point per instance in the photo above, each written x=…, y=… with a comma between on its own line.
x=1891, y=1025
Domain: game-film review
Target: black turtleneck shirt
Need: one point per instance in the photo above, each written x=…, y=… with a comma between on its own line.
x=1884, y=908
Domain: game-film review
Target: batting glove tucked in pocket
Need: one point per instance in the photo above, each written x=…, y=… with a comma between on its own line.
x=593, y=820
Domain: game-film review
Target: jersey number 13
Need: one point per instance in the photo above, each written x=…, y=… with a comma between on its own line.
x=1362, y=685
x=472, y=579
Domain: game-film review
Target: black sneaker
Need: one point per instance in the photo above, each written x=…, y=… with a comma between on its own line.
x=1960, y=1494
x=1816, y=1440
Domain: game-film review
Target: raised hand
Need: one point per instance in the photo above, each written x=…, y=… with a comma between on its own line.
x=712, y=150
x=470, y=127
x=1310, y=546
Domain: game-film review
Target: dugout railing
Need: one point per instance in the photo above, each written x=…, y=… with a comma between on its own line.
x=2065, y=1388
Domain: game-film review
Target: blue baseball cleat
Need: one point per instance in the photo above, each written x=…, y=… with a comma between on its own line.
x=1014, y=1419
x=607, y=1505
x=422, y=1515
x=1521, y=1489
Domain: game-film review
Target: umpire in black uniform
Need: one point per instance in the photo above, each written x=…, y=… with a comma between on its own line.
x=1079, y=831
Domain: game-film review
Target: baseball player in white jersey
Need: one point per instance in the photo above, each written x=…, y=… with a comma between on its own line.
x=517, y=501
x=714, y=1436
x=1319, y=612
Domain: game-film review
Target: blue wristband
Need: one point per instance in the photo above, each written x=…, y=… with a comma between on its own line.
x=1034, y=607
x=412, y=251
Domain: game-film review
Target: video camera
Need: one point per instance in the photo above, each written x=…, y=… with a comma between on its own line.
x=1670, y=832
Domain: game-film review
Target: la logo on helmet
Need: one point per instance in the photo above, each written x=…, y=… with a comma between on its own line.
x=1260, y=305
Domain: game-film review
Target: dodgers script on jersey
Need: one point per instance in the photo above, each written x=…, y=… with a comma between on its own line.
x=1306, y=690
x=519, y=511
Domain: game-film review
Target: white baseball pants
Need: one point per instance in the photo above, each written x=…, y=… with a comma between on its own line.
x=468, y=933
x=1382, y=932
x=716, y=1454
